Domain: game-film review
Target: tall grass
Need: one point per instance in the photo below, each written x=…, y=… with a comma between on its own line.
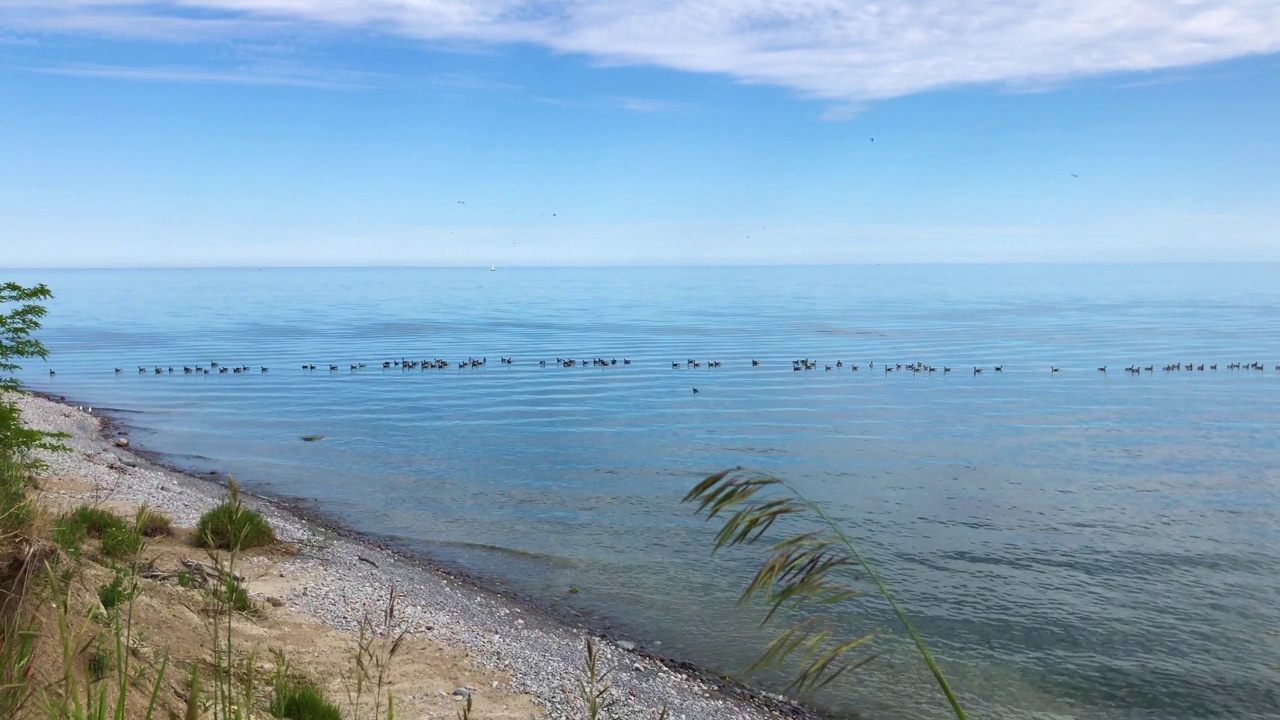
x=802, y=572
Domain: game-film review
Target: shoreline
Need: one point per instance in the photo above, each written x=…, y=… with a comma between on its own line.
x=499, y=630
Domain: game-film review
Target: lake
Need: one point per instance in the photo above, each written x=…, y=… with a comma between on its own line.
x=1076, y=544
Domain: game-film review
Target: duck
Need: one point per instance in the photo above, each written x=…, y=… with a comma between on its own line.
x=755, y=363
x=118, y=371
x=1102, y=369
x=695, y=391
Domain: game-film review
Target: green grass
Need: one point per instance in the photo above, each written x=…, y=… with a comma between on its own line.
x=302, y=701
x=121, y=543
x=15, y=506
x=152, y=523
x=231, y=526
x=236, y=597
x=97, y=521
x=119, y=539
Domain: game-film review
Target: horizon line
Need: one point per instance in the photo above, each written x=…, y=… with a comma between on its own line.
x=656, y=265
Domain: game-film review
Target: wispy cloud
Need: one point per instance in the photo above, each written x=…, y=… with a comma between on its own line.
x=648, y=106
x=841, y=50
x=238, y=76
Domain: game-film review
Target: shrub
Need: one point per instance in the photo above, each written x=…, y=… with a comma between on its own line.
x=69, y=534
x=97, y=521
x=117, y=592
x=119, y=540
x=232, y=526
x=236, y=597
x=120, y=543
x=152, y=523
x=301, y=701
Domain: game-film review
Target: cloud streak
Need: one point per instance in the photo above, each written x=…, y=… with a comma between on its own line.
x=241, y=76
x=845, y=51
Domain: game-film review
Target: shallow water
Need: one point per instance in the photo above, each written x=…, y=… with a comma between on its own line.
x=1078, y=545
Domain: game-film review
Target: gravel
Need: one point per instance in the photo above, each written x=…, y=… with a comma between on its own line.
x=543, y=656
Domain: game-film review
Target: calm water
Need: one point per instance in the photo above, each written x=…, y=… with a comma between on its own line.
x=1074, y=545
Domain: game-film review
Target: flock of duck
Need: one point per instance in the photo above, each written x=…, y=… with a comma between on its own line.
x=797, y=365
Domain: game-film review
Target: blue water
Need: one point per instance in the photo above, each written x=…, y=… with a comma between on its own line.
x=1077, y=544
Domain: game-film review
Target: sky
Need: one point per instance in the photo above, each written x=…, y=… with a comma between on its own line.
x=143, y=133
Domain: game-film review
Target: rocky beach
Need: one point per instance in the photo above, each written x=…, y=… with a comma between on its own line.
x=513, y=660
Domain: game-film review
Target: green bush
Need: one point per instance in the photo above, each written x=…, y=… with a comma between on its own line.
x=236, y=597
x=69, y=534
x=119, y=540
x=300, y=701
x=232, y=526
x=97, y=521
x=117, y=592
x=121, y=543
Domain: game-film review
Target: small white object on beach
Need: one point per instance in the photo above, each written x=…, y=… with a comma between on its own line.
x=122, y=442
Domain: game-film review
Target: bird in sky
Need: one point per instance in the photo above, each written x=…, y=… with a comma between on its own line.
x=1074, y=175
x=462, y=202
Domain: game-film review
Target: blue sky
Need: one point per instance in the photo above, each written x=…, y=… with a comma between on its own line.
x=345, y=132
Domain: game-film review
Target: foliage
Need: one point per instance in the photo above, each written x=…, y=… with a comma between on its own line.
x=800, y=573
x=299, y=700
x=17, y=441
x=119, y=591
x=232, y=526
x=234, y=596
x=15, y=506
x=374, y=655
x=16, y=343
x=16, y=327
x=96, y=521
x=119, y=539
x=595, y=687
x=152, y=523
x=304, y=702
x=121, y=543
x=69, y=535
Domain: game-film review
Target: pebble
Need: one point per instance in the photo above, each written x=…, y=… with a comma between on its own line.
x=122, y=442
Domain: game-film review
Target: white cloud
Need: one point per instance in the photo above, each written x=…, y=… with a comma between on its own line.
x=841, y=50
x=238, y=76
